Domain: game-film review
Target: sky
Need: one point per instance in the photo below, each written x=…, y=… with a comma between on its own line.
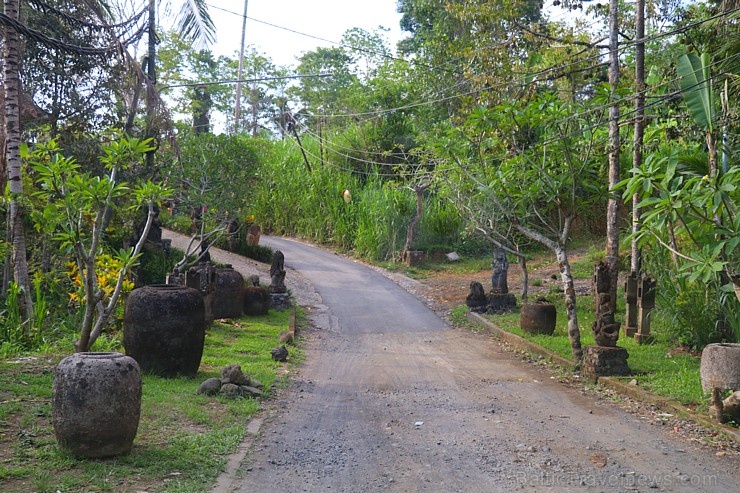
x=313, y=19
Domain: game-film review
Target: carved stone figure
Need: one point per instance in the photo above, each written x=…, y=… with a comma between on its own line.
x=477, y=300
x=277, y=273
x=500, y=272
x=606, y=330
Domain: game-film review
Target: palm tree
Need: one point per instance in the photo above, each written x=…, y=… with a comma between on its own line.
x=12, y=129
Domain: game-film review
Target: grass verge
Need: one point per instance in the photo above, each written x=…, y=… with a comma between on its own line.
x=183, y=440
x=657, y=367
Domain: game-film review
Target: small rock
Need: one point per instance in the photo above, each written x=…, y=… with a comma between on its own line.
x=633, y=381
x=233, y=374
x=280, y=353
x=286, y=337
x=248, y=391
x=210, y=387
x=231, y=390
x=257, y=384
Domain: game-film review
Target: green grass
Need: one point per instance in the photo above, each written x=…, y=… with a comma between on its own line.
x=183, y=440
x=656, y=367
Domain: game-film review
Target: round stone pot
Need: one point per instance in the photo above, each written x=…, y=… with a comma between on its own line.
x=96, y=404
x=720, y=367
x=164, y=329
x=228, y=299
x=538, y=318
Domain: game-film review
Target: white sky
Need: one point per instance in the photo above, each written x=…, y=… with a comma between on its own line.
x=325, y=19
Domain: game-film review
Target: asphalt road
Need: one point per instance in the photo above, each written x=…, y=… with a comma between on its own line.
x=391, y=399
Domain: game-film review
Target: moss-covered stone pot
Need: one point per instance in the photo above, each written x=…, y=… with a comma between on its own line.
x=96, y=404
x=164, y=329
x=228, y=299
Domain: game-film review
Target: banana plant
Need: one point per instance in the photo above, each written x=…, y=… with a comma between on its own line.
x=696, y=87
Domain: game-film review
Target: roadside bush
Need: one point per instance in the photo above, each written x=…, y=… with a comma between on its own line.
x=688, y=313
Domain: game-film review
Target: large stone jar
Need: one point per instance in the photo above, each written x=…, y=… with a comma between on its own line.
x=228, y=299
x=720, y=367
x=96, y=404
x=164, y=329
x=538, y=317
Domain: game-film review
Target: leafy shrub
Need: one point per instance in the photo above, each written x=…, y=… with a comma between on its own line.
x=154, y=265
x=688, y=313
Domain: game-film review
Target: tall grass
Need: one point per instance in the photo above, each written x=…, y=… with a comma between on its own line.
x=290, y=200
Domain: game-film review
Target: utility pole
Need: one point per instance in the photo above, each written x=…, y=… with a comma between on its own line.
x=238, y=106
x=612, y=214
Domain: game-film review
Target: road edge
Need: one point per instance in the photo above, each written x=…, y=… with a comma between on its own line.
x=631, y=391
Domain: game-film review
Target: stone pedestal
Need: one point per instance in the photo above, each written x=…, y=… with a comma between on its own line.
x=599, y=361
x=501, y=303
x=280, y=301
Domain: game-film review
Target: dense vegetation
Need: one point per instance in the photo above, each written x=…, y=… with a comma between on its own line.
x=490, y=124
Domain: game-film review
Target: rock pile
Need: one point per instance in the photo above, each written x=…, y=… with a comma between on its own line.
x=233, y=383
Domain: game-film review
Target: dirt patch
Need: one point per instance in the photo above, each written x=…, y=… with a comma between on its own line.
x=443, y=291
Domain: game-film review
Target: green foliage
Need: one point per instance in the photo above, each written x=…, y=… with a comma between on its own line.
x=154, y=265
x=75, y=207
x=687, y=313
x=13, y=332
x=701, y=209
x=214, y=176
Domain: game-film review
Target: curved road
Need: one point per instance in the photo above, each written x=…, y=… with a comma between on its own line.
x=361, y=300
x=391, y=399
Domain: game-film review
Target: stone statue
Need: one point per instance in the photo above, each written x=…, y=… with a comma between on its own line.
x=277, y=273
x=477, y=300
x=606, y=330
x=500, y=272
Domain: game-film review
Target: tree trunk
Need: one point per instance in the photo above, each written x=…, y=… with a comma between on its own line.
x=13, y=142
x=712, y=151
x=152, y=76
x=3, y=167
x=411, y=230
x=639, y=125
x=525, y=278
x=612, y=214
x=574, y=333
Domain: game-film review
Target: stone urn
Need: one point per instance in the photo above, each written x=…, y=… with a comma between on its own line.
x=96, y=404
x=720, y=371
x=720, y=367
x=228, y=296
x=164, y=329
x=538, y=317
